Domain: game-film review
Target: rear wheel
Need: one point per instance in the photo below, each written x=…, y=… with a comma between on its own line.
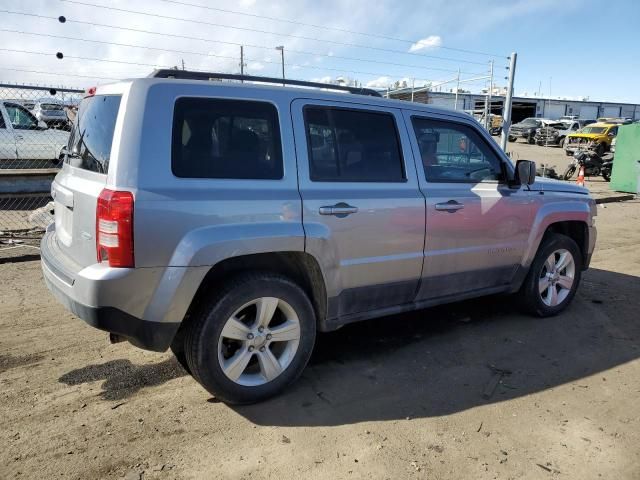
x=554, y=276
x=512, y=139
x=568, y=173
x=252, y=340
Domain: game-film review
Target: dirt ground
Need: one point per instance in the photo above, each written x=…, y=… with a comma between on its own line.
x=407, y=396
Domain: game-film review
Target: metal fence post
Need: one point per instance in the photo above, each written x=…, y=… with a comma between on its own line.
x=506, y=122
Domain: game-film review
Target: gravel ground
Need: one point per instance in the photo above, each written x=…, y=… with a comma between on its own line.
x=407, y=396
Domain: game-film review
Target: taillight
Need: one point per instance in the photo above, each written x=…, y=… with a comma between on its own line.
x=114, y=228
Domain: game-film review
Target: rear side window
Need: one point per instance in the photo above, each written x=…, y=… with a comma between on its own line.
x=91, y=137
x=352, y=146
x=233, y=139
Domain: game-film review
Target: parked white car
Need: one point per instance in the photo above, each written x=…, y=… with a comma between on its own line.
x=24, y=141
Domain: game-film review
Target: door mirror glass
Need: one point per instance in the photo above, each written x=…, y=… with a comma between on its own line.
x=525, y=172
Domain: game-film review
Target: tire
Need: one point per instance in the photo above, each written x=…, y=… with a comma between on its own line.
x=568, y=173
x=568, y=153
x=531, y=140
x=606, y=174
x=512, y=139
x=209, y=351
x=541, y=302
x=177, y=347
x=561, y=142
x=600, y=149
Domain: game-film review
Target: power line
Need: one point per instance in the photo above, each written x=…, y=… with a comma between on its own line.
x=227, y=43
x=247, y=29
x=95, y=59
x=324, y=27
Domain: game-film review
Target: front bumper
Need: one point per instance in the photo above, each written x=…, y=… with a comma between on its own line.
x=107, y=298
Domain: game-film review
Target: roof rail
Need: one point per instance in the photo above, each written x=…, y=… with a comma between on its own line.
x=190, y=75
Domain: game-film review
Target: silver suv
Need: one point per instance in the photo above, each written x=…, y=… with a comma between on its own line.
x=230, y=222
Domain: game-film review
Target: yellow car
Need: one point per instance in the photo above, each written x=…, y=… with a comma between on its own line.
x=596, y=137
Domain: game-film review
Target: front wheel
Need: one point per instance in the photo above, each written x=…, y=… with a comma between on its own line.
x=568, y=173
x=606, y=174
x=252, y=339
x=554, y=276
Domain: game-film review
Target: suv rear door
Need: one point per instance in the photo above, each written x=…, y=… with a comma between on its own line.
x=477, y=226
x=83, y=176
x=363, y=211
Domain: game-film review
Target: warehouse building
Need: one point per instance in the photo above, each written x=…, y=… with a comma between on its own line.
x=522, y=107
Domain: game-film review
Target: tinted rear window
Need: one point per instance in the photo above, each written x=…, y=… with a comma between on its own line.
x=91, y=137
x=352, y=146
x=233, y=139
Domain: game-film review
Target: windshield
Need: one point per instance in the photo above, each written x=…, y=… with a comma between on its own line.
x=529, y=121
x=90, y=141
x=593, y=130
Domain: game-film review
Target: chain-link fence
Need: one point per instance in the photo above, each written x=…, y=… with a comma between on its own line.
x=34, y=126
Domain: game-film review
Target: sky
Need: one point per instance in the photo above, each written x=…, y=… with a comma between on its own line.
x=566, y=49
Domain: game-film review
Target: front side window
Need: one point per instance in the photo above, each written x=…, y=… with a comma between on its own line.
x=352, y=146
x=453, y=152
x=231, y=139
x=20, y=117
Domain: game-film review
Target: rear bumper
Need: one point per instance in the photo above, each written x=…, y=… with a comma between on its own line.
x=115, y=300
x=155, y=336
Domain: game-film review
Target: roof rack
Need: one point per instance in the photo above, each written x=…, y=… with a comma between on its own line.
x=191, y=75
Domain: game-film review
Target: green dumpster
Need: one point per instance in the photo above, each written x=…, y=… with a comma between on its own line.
x=626, y=165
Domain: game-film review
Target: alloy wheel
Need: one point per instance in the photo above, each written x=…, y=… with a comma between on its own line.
x=259, y=341
x=556, y=278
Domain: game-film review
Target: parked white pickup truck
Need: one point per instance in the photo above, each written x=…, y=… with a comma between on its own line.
x=24, y=141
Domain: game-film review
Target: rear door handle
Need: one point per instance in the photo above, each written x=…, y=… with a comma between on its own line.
x=339, y=210
x=450, y=206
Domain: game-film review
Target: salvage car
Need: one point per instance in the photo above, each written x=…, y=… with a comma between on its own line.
x=24, y=141
x=231, y=222
x=527, y=129
x=51, y=112
x=596, y=137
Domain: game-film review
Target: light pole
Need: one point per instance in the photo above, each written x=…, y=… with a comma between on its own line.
x=281, y=48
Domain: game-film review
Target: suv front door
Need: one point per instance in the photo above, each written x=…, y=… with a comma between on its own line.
x=364, y=214
x=477, y=226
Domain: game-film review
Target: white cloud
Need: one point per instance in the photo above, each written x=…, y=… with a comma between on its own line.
x=432, y=41
x=380, y=82
x=255, y=66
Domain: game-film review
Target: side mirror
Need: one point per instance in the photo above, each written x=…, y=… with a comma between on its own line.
x=525, y=172
x=42, y=125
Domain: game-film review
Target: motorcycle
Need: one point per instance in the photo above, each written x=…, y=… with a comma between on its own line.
x=591, y=161
x=606, y=168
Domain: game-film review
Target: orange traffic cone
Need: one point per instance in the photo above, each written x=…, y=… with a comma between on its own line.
x=580, y=180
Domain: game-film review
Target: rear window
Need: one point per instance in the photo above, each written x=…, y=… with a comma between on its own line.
x=234, y=139
x=51, y=106
x=91, y=137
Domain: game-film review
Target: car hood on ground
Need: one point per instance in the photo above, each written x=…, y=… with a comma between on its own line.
x=544, y=184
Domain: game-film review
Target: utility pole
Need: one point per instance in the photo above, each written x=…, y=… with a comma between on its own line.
x=413, y=84
x=242, y=64
x=490, y=94
x=455, y=105
x=182, y=63
x=506, y=123
x=281, y=48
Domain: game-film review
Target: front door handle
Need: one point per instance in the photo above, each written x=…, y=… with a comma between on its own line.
x=339, y=210
x=19, y=137
x=450, y=206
